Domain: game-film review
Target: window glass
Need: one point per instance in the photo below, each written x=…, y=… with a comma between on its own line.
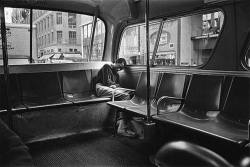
x=17, y=31
x=184, y=41
x=133, y=44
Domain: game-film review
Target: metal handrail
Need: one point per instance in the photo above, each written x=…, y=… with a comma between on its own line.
x=166, y=97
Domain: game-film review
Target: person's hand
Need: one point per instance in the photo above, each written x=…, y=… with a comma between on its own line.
x=113, y=86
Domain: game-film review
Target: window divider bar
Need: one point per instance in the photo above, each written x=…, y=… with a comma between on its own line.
x=157, y=42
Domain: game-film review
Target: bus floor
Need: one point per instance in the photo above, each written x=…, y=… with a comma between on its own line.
x=93, y=149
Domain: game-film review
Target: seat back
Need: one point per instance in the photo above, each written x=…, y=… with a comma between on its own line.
x=40, y=86
x=204, y=92
x=14, y=92
x=140, y=96
x=237, y=105
x=76, y=82
x=170, y=84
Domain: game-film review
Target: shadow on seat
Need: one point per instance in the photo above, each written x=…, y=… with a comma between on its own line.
x=181, y=153
x=41, y=90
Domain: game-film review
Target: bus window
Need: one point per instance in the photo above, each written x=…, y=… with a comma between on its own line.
x=133, y=43
x=184, y=41
x=18, y=35
x=63, y=37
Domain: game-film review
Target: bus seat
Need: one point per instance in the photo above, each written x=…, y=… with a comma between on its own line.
x=171, y=85
x=41, y=90
x=182, y=153
x=77, y=87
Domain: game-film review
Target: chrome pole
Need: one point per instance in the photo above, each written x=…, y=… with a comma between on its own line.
x=148, y=58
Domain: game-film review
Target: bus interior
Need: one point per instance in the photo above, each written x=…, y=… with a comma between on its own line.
x=187, y=65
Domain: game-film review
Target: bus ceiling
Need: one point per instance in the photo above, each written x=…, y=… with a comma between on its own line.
x=117, y=9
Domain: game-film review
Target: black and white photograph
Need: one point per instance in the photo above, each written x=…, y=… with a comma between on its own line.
x=124, y=83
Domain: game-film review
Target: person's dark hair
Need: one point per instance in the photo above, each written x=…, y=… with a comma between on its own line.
x=121, y=61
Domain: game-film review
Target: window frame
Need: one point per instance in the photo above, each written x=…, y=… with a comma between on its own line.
x=54, y=21
x=173, y=17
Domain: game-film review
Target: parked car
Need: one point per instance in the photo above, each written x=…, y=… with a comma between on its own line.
x=61, y=58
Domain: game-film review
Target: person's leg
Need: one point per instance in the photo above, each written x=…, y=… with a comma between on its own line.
x=122, y=94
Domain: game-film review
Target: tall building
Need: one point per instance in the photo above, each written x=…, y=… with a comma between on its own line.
x=20, y=16
x=57, y=32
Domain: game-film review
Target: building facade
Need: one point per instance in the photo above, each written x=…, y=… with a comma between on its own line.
x=57, y=32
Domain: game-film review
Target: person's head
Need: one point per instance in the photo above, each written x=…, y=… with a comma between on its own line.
x=120, y=64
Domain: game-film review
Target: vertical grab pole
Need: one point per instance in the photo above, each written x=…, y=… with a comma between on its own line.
x=5, y=65
x=31, y=31
x=148, y=57
x=93, y=33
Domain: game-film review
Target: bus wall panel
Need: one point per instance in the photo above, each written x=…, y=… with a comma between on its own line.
x=56, y=123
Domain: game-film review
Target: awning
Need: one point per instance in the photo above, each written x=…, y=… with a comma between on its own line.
x=45, y=57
